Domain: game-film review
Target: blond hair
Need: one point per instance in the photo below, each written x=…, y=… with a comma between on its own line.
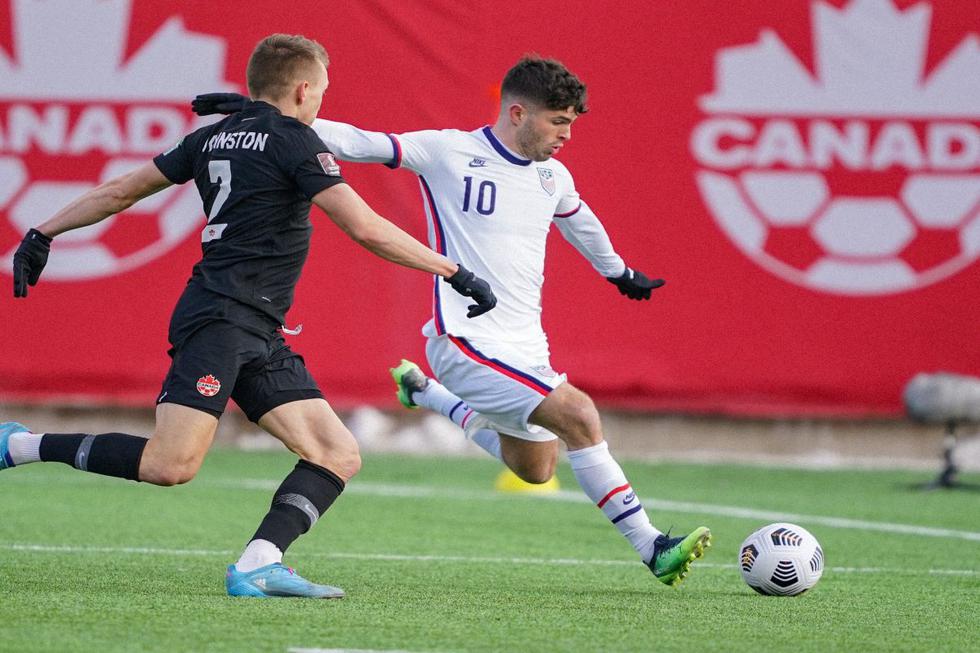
x=279, y=61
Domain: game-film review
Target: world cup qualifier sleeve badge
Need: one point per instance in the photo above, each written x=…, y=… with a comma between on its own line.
x=208, y=385
x=547, y=177
x=329, y=163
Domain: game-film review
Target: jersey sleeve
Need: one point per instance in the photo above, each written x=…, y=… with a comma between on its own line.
x=583, y=230
x=417, y=151
x=350, y=143
x=569, y=203
x=177, y=163
x=309, y=162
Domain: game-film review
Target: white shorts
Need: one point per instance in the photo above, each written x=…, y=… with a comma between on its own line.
x=500, y=382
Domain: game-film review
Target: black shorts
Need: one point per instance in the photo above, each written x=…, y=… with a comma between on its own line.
x=215, y=360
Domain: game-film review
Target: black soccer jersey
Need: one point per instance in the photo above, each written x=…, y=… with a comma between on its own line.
x=257, y=171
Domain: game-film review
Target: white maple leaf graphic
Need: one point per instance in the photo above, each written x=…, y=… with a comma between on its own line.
x=75, y=49
x=870, y=58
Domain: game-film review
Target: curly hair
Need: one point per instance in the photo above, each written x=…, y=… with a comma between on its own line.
x=545, y=82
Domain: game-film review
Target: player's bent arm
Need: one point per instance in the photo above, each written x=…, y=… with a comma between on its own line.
x=104, y=200
x=376, y=234
x=586, y=234
x=349, y=143
x=109, y=198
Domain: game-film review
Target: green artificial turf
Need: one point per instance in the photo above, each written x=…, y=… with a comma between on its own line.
x=435, y=561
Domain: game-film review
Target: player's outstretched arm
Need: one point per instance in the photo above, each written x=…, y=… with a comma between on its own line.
x=350, y=143
x=346, y=142
x=382, y=238
x=109, y=198
x=585, y=232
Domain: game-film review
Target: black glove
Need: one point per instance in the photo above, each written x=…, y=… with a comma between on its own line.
x=634, y=284
x=29, y=260
x=468, y=284
x=208, y=103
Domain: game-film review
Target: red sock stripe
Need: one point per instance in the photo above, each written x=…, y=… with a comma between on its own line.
x=613, y=492
x=466, y=418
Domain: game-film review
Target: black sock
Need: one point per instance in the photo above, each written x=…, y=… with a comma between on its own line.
x=110, y=454
x=303, y=496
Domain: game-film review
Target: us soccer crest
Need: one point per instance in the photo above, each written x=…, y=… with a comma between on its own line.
x=547, y=177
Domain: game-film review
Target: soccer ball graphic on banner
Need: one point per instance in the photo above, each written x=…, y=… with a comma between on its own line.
x=77, y=110
x=781, y=559
x=172, y=215
x=860, y=177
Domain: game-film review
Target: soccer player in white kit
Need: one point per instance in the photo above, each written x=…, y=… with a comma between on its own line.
x=491, y=196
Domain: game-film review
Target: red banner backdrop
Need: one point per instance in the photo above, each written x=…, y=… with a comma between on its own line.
x=808, y=182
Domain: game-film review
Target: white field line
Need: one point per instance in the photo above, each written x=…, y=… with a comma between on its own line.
x=341, y=650
x=419, y=491
x=415, y=491
x=395, y=557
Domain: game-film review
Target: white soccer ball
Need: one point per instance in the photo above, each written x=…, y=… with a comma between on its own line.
x=781, y=559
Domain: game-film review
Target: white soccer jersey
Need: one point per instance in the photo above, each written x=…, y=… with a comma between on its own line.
x=490, y=210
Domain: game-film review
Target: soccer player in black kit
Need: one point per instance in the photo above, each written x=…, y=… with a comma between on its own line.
x=258, y=172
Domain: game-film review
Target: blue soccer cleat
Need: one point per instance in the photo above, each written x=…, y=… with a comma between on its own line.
x=276, y=580
x=6, y=430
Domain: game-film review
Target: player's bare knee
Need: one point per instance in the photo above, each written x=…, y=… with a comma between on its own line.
x=169, y=475
x=348, y=466
x=538, y=473
x=168, y=468
x=173, y=477
x=340, y=455
x=582, y=420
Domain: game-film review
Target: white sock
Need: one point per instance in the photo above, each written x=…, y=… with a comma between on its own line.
x=437, y=397
x=24, y=448
x=258, y=553
x=603, y=481
x=489, y=441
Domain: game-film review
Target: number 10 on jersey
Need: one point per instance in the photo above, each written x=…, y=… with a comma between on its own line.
x=486, y=196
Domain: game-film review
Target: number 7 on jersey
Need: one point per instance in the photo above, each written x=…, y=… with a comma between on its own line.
x=220, y=173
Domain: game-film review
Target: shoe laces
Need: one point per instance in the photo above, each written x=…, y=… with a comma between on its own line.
x=664, y=541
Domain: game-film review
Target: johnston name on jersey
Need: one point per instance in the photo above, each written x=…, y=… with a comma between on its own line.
x=256, y=171
x=491, y=210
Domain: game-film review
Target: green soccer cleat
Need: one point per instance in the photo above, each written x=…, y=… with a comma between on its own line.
x=672, y=556
x=409, y=378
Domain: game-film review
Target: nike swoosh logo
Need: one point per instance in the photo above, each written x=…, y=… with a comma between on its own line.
x=478, y=164
x=629, y=498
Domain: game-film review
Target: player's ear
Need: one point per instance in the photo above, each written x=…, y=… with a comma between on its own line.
x=301, y=92
x=516, y=112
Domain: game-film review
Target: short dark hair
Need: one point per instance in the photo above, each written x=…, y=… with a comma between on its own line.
x=278, y=60
x=545, y=82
